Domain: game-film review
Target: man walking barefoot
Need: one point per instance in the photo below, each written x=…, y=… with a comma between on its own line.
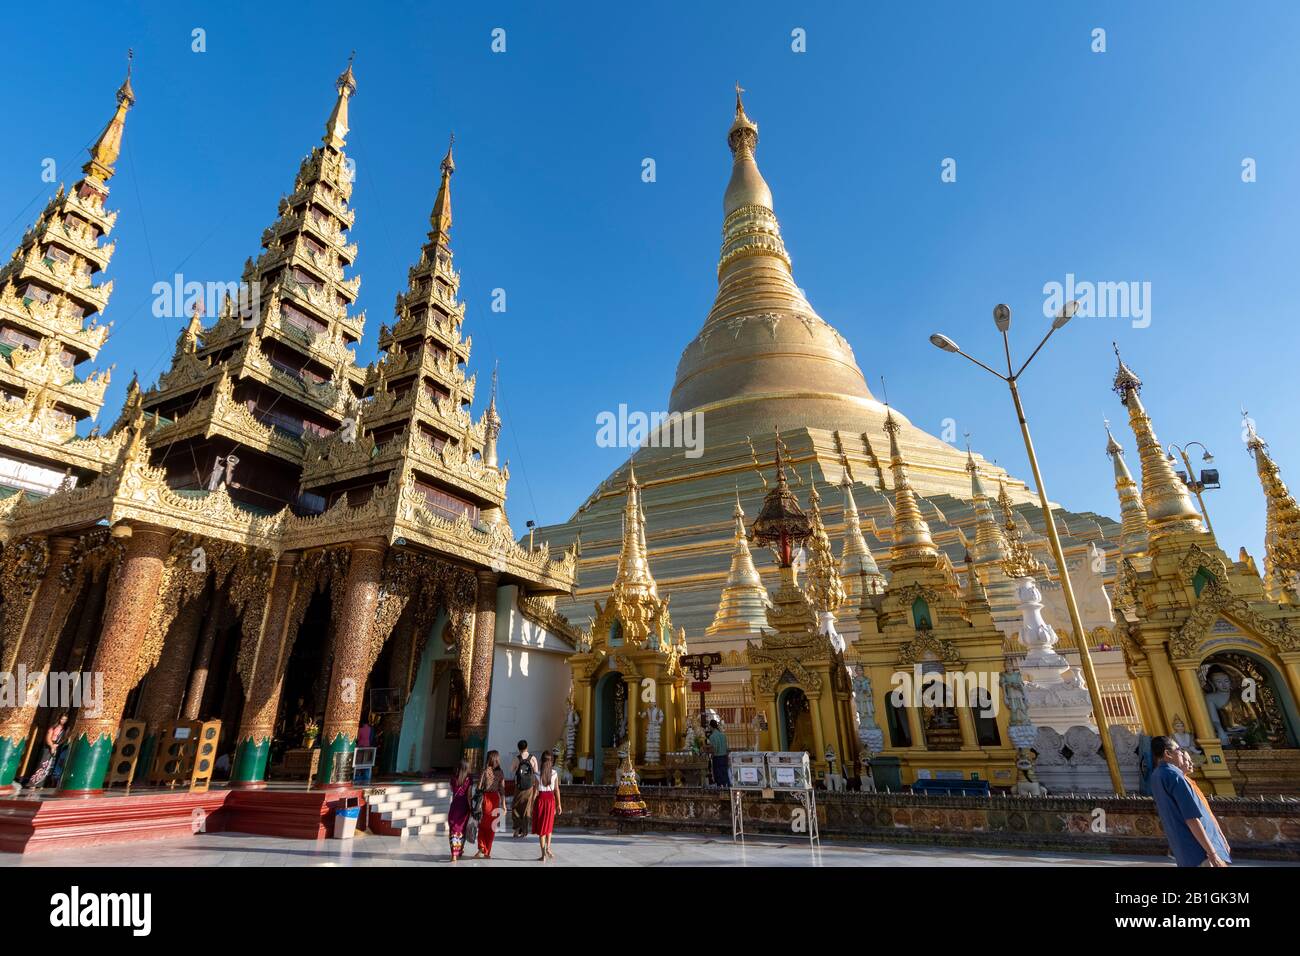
x=524, y=769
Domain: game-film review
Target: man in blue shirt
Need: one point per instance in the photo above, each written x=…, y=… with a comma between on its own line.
x=1190, y=825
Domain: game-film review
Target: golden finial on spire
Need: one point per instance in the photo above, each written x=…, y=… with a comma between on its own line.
x=107, y=148
x=440, y=218
x=336, y=127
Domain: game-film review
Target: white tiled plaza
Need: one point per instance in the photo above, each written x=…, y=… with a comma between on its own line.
x=572, y=848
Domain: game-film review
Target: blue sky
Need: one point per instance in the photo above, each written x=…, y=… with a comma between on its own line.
x=1117, y=166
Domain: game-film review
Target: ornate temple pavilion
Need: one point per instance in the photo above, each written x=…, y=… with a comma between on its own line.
x=270, y=535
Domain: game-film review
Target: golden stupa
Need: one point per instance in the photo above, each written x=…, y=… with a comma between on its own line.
x=765, y=366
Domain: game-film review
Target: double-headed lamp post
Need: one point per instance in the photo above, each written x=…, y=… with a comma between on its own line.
x=1002, y=318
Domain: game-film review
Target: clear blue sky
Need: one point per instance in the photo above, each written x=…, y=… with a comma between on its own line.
x=1121, y=166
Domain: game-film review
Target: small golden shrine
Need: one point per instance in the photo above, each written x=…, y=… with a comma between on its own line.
x=798, y=672
x=629, y=685
x=934, y=643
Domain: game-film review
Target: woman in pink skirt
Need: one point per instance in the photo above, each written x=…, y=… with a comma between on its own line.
x=546, y=805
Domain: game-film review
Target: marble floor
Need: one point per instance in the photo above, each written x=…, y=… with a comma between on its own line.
x=572, y=848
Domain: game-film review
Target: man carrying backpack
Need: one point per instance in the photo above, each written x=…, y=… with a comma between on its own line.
x=525, y=772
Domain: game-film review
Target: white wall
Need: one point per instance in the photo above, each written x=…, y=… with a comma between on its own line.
x=530, y=681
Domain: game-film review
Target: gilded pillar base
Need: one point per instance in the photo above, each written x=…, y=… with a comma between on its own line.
x=11, y=758
x=249, y=769
x=87, y=765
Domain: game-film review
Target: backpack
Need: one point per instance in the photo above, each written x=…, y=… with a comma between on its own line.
x=524, y=775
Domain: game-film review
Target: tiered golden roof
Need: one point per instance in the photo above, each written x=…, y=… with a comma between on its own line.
x=50, y=307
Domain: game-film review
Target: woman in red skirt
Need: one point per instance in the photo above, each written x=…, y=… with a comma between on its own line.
x=492, y=784
x=546, y=805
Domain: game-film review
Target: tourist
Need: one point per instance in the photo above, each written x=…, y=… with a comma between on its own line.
x=1191, y=828
x=462, y=790
x=492, y=790
x=524, y=770
x=49, y=753
x=718, y=747
x=546, y=806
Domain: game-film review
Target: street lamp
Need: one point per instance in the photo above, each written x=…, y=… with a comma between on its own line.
x=1002, y=319
x=1209, y=479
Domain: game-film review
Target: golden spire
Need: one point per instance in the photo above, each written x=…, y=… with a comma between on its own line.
x=440, y=219
x=824, y=587
x=633, y=577
x=742, y=606
x=1020, y=561
x=1168, y=504
x=1133, y=516
x=911, y=533
x=336, y=127
x=109, y=145
x=856, y=560
x=990, y=542
x=1282, y=527
x=491, y=426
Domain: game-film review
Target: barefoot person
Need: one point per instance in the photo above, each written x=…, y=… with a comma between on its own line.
x=1189, y=824
x=524, y=770
x=462, y=791
x=492, y=784
x=53, y=741
x=546, y=805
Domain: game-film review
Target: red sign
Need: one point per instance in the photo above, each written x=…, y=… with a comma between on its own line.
x=700, y=686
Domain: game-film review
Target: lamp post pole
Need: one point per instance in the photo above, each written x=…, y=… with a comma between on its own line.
x=1195, y=485
x=1002, y=316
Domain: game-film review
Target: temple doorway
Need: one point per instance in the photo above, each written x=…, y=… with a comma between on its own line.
x=611, y=719
x=795, y=715
x=447, y=704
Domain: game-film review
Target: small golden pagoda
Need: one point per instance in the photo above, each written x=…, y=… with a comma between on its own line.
x=1215, y=660
x=924, y=629
x=797, y=668
x=627, y=674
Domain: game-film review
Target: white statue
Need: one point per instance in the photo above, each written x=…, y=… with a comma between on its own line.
x=654, y=722
x=1013, y=692
x=826, y=628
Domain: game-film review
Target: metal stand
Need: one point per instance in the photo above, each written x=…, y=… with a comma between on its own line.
x=807, y=799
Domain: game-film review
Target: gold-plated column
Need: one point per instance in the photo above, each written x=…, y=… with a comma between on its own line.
x=45, y=616
x=262, y=700
x=480, y=686
x=360, y=599
x=126, y=619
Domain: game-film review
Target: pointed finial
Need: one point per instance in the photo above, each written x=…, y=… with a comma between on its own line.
x=108, y=146
x=743, y=135
x=448, y=165
x=1125, y=379
x=336, y=127
x=125, y=94
x=1113, y=447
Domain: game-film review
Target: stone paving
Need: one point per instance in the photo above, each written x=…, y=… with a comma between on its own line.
x=572, y=848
